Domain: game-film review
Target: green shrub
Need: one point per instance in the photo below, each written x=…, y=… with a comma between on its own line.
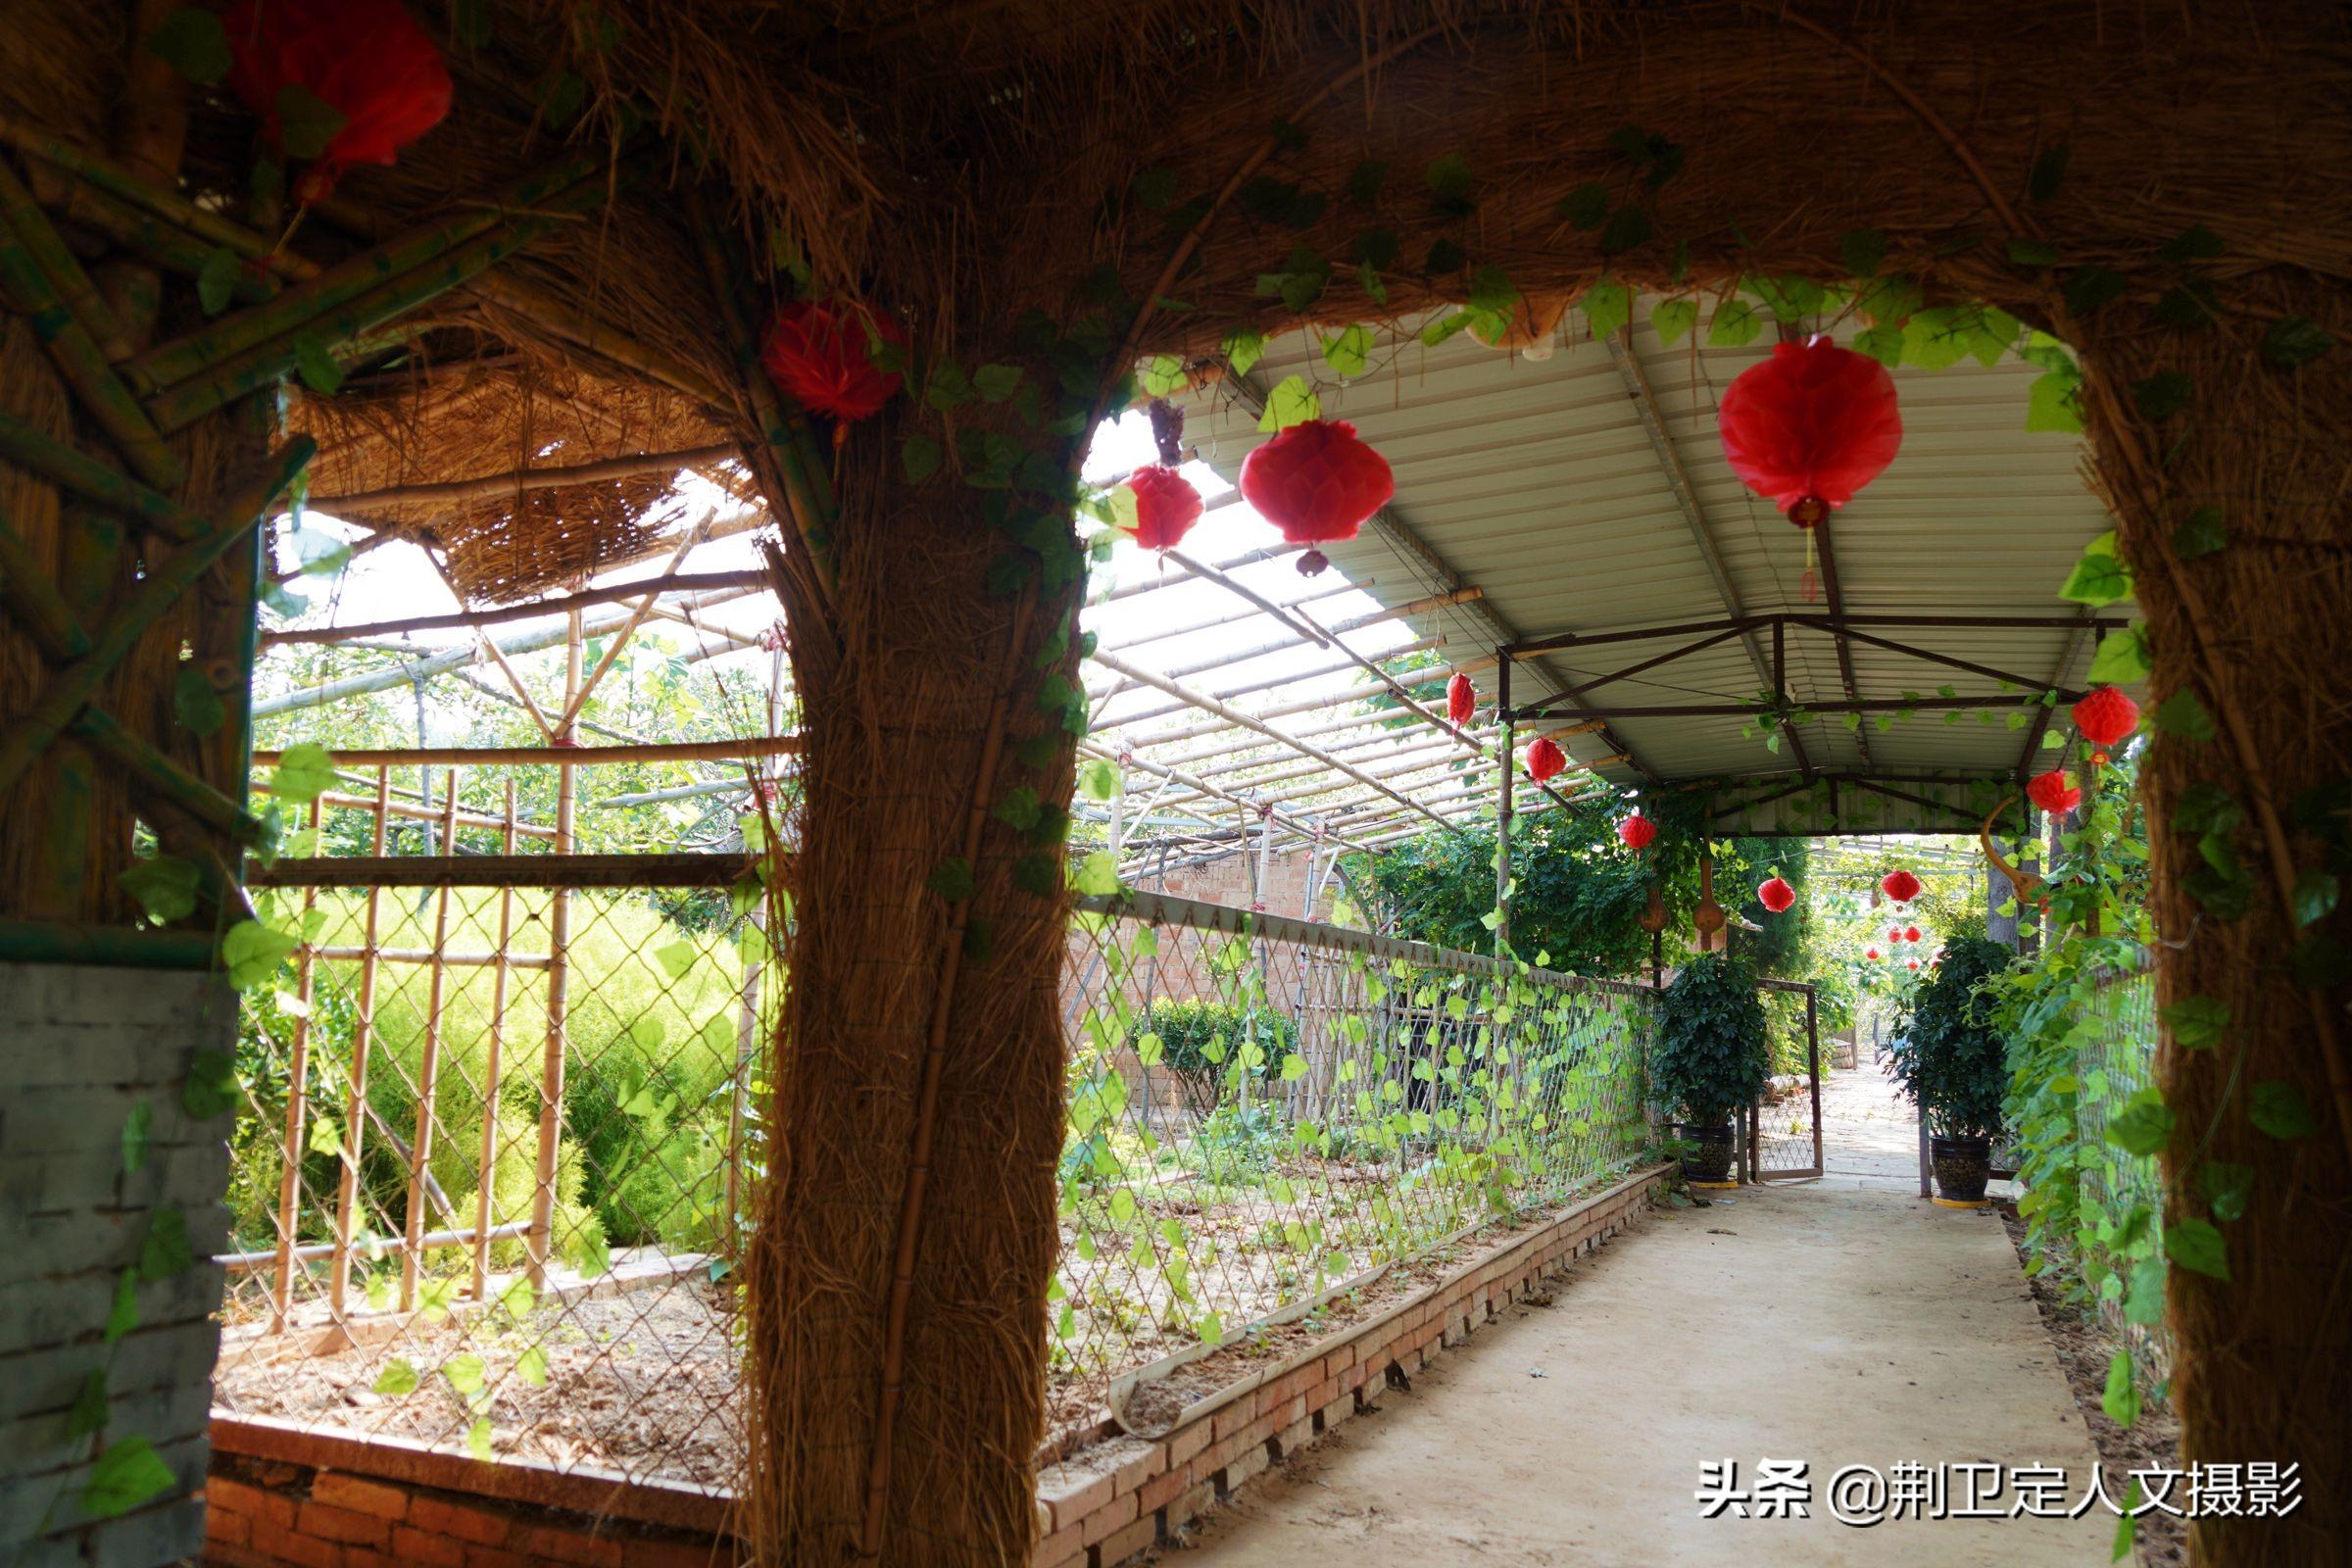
x=1948, y=1057
x=1209, y=1047
x=1711, y=1056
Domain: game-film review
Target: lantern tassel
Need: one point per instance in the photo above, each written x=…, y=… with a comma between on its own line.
x=1808, y=586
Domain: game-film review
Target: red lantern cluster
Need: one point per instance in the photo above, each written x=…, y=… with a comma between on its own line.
x=1544, y=759
x=1808, y=428
x=821, y=357
x=1461, y=700
x=1166, y=506
x=2105, y=717
x=2052, y=793
x=1901, y=886
x=1776, y=895
x=1636, y=831
x=1317, y=483
x=367, y=60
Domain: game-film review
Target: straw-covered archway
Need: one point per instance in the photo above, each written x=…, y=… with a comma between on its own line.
x=2051, y=171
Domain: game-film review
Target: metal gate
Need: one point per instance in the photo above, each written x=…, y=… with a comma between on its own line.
x=1784, y=1129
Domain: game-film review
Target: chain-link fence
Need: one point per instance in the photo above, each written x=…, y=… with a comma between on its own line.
x=509, y=1214
x=2116, y=1058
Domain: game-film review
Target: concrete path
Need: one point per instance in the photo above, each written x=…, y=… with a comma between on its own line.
x=1835, y=1324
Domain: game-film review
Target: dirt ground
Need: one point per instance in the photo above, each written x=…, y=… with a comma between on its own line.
x=1573, y=1434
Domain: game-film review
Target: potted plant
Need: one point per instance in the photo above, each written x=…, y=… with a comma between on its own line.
x=1711, y=1058
x=1952, y=1063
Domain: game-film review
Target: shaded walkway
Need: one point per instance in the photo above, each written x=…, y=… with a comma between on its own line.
x=1832, y=1325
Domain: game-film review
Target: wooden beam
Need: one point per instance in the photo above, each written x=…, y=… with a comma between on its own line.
x=504, y=871
x=534, y=756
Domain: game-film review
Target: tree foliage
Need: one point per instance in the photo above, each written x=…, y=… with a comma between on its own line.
x=1711, y=1054
x=1949, y=1056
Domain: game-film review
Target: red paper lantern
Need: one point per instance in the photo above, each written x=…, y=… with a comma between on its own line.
x=1894, y=933
x=2105, y=717
x=821, y=357
x=1461, y=700
x=1166, y=506
x=1775, y=895
x=1910, y=933
x=1317, y=483
x=1872, y=954
x=1901, y=886
x=1914, y=964
x=367, y=60
x=1636, y=831
x=1544, y=759
x=2052, y=793
x=1808, y=428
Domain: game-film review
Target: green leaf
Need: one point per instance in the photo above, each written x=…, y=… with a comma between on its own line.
x=2201, y=534
x=1448, y=179
x=1098, y=779
x=397, y=1377
x=2052, y=403
x=2161, y=396
x=164, y=885
x=945, y=387
x=325, y=1136
x=919, y=458
x=1162, y=374
x=1294, y=1067
x=2190, y=305
x=2291, y=340
x=1098, y=874
x=2317, y=891
x=2227, y=1188
x=676, y=957
x=587, y=1251
x=124, y=1316
x=1364, y=181
x=1444, y=256
x=2278, y=1109
x=191, y=41
x=252, y=953
x=464, y=1372
x=217, y=278
x=304, y=772
x=1883, y=344
x=1673, y=320
x=2120, y=1399
x=1888, y=301
x=1608, y=305
x=2122, y=657
x=1438, y=328
x=478, y=1438
x=1864, y=252
x=1349, y=352
x=2195, y=1245
x=1587, y=207
x=89, y=1406
x=2193, y=244
x=1790, y=298
x=2183, y=715
x=1736, y=325
x=952, y=879
x=137, y=1128
x=1628, y=227
x=194, y=703
x=531, y=1366
x=2049, y=170
x=306, y=123
x=2144, y=1126
x=2088, y=288
x=2098, y=578
x=997, y=382
x=1034, y=875
x=2144, y=1302
x=127, y=1472
x=166, y=1251
x=2197, y=1023
x=979, y=939
x=1291, y=401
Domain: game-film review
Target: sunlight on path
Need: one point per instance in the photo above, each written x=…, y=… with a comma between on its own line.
x=1868, y=1130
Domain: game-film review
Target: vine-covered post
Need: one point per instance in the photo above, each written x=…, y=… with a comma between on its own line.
x=1508, y=760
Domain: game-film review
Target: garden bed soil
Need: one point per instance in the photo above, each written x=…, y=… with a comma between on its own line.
x=2086, y=1346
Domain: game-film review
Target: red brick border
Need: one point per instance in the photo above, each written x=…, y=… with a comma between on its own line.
x=284, y=1497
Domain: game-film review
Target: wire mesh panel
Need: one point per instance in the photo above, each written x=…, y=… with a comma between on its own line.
x=2116, y=1058
x=1264, y=1112
x=1785, y=1133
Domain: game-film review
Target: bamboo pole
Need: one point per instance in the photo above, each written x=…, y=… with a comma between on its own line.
x=30, y=595
x=347, y=1187
x=53, y=460
x=161, y=587
x=297, y=1100
x=501, y=973
x=428, y=1070
x=628, y=628
x=558, y=977
x=468, y=619
x=85, y=367
x=426, y=814
x=48, y=252
x=725, y=750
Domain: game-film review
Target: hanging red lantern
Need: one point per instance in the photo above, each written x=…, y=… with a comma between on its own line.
x=1894, y=933
x=2105, y=717
x=1775, y=895
x=1166, y=506
x=1872, y=954
x=1461, y=700
x=1318, y=484
x=1807, y=430
x=366, y=59
x=821, y=357
x=1901, y=886
x=1636, y=831
x=2052, y=793
x=1544, y=759
x=1910, y=933
x=1914, y=964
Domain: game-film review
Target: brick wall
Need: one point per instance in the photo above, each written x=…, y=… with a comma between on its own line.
x=284, y=1496
x=96, y=1143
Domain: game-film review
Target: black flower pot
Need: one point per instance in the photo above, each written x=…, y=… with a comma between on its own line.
x=1711, y=1162
x=1963, y=1166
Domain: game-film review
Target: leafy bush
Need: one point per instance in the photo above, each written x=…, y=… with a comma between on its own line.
x=1210, y=1047
x=1711, y=1056
x=1948, y=1057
